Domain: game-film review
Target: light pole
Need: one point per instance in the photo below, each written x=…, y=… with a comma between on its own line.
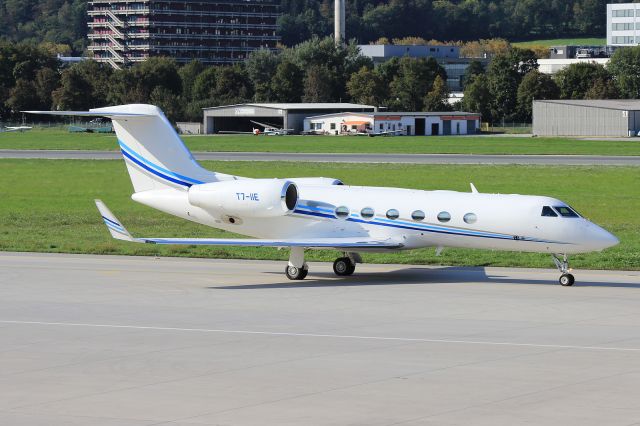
x=339, y=21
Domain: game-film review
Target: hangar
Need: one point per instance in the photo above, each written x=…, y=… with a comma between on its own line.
x=281, y=115
x=405, y=123
x=617, y=118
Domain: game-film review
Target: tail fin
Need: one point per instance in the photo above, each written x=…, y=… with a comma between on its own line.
x=155, y=155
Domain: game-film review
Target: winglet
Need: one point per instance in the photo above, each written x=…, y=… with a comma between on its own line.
x=116, y=229
x=473, y=188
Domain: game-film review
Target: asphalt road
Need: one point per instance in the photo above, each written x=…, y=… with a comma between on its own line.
x=352, y=158
x=139, y=341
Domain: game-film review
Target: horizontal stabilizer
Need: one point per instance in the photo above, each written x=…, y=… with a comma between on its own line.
x=119, y=232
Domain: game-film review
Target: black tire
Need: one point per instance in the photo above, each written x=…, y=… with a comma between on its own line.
x=343, y=267
x=294, y=273
x=567, y=280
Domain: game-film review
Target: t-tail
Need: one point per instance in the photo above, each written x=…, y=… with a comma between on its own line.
x=155, y=155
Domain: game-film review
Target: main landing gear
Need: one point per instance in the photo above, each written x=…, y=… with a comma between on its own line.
x=566, y=279
x=297, y=269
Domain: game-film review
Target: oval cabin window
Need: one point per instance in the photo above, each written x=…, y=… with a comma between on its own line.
x=418, y=215
x=470, y=218
x=393, y=214
x=444, y=217
x=342, y=212
x=367, y=213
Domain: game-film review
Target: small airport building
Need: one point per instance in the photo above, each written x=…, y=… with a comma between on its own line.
x=239, y=118
x=404, y=123
x=611, y=118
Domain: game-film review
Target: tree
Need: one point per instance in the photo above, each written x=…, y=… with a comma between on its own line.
x=534, y=85
x=168, y=102
x=204, y=86
x=261, y=66
x=475, y=68
x=287, y=82
x=23, y=96
x=188, y=74
x=625, y=68
x=477, y=97
x=74, y=92
x=504, y=75
x=319, y=84
x=46, y=81
x=366, y=87
x=575, y=80
x=415, y=78
x=437, y=98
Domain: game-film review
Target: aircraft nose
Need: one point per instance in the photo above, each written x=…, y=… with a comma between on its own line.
x=602, y=238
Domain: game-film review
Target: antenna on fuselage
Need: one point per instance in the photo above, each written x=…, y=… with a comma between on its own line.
x=474, y=189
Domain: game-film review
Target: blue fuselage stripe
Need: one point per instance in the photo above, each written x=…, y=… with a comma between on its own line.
x=155, y=172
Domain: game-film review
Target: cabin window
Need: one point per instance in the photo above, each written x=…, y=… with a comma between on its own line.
x=470, y=218
x=444, y=217
x=342, y=212
x=548, y=212
x=565, y=211
x=418, y=215
x=393, y=214
x=367, y=213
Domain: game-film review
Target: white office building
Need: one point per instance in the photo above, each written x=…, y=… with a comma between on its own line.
x=623, y=24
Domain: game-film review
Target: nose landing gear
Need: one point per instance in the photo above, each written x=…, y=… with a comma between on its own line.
x=566, y=279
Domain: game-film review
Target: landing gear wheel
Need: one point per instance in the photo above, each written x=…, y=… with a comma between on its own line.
x=294, y=273
x=343, y=267
x=567, y=280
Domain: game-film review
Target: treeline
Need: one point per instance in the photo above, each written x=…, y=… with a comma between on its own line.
x=313, y=71
x=369, y=20
x=64, y=22
x=507, y=88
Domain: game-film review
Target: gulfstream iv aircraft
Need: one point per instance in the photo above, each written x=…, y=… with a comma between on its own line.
x=323, y=213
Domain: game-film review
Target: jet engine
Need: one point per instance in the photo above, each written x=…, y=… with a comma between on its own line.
x=320, y=181
x=246, y=197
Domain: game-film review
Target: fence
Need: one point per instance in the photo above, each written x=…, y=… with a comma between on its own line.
x=506, y=127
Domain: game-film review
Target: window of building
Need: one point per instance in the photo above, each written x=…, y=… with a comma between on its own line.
x=548, y=212
x=367, y=213
x=393, y=214
x=622, y=26
x=342, y=212
x=332, y=126
x=418, y=215
x=623, y=40
x=444, y=217
x=622, y=13
x=470, y=218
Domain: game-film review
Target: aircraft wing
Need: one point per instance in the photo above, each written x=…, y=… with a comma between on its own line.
x=119, y=232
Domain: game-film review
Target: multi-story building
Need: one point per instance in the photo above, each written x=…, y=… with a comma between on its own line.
x=212, y=31
x=623, y=24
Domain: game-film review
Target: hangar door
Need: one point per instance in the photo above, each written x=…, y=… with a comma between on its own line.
x=245, y=124
x=446, y=127
x=420, y=127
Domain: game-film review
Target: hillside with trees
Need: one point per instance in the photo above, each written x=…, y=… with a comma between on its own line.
x=63, y=22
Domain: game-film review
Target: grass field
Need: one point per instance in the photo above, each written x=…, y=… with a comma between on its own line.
x=588, y=41
x=60, y=139
x=47, y=206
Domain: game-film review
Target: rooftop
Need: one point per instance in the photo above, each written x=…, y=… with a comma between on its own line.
x=293, y=106
x=620, y=104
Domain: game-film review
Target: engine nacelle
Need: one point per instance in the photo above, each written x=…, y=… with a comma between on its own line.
x=320, y=181
x=246, y=197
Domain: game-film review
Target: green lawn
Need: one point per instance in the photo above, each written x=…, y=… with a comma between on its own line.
x=47, y=206
x=59, y=139
x=588, y=41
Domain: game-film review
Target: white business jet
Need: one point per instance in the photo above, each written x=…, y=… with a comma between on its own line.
x=322, y=213
x=17, y=129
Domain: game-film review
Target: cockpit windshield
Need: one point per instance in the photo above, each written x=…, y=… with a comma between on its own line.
x=548, y=212
x=566, y=211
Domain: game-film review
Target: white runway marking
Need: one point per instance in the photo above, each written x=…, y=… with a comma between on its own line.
x=334, y=336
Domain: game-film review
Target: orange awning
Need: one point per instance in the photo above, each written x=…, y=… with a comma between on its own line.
x=356, y=123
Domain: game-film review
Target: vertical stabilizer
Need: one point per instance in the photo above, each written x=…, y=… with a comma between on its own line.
x=155, y=155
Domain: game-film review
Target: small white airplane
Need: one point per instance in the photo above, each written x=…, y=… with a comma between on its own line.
x=322, y=213
x=17, y=129
x=268, y=130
